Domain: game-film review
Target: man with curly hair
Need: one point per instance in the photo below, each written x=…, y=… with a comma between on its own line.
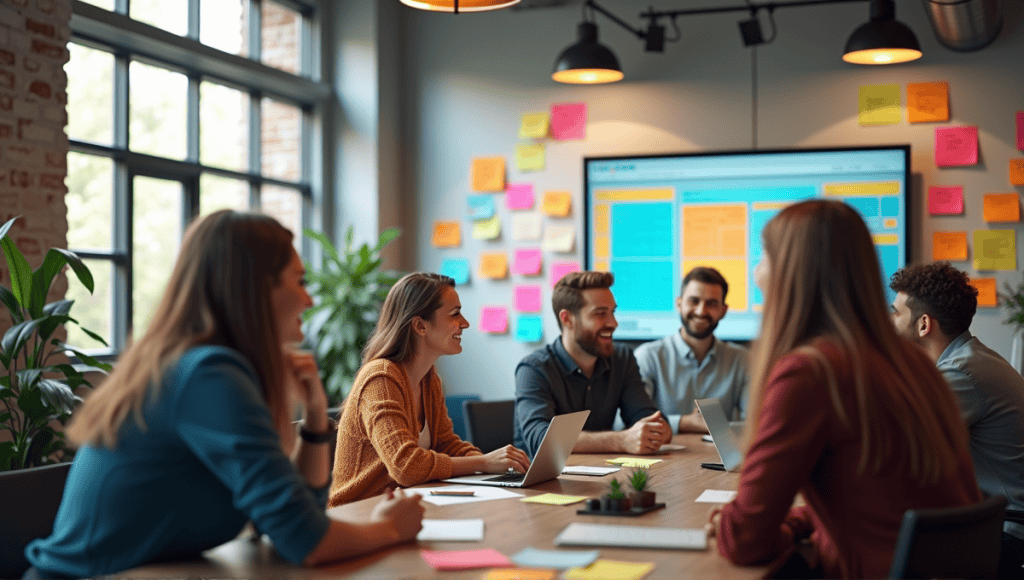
x=934, y=306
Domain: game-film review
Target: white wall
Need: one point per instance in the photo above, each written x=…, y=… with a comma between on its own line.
x=468, y=79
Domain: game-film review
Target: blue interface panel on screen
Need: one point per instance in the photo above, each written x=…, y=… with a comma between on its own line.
x=650, y=219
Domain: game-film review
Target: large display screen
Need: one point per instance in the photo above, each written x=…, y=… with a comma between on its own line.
x=650, y=219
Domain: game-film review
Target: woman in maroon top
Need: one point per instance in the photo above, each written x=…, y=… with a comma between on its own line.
x=841, y=410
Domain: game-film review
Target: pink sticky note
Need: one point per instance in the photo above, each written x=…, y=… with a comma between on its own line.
x=528, y=298
x=464, y=559
x=559, y=269
x=494, y=319
x=956, y=146
x=519, y=196
x=946, y=200
x=1020, y=130
x=527, y=262
x=568, y=121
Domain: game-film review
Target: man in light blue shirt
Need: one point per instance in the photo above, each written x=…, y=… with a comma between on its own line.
x=934, y=306
x=692, y=364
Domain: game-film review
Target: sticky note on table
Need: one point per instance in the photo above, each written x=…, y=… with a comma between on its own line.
x=493, y=265
x=534, y=126
x=488, y=229
x=446, y=235
x=927, y=102
x=1020, y=130
x=610, y=570
x=946, y=200
x=530, y=156
x=557, y=203
x=529, y=328
x=950, y=246
x=995, y=250
x=987, y=295
x=480, y=207
x=716, y=496
x=878, y=104
x=519, y=196
x=526, y=226
x=520, y=574
x=488, y=174
x=1017, y=172
x=559, y=238
x=527, y=262
x=528, y=298
x=457, y=269
x=633, y=461
x=554, y=499
x=560, y=559
x=568, y=121
x=559, y=269
x=452, y=531
x=464, y=559
x=494, y=319
x=1001, y=207
x=956, y=146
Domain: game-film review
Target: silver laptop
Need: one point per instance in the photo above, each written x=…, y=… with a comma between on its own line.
x=722, y=433
x=551, y=456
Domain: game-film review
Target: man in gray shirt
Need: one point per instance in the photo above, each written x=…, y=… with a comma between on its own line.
x=692, y=364
x=934, y=307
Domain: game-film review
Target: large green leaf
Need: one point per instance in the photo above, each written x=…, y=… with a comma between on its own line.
x=21, y=272
x=79, y=268
x=16, y=337
x=7, y=454
x=385, y=238
x=15, y=310
x=42, y=278
x=324, y=242
x=58, y=396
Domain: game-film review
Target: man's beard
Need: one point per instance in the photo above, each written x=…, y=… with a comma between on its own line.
x=588, y=343
x=712, y=325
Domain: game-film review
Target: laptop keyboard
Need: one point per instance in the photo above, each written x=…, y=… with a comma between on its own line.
x=508, y=477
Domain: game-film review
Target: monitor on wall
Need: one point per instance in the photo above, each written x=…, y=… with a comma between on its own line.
x=650, y=219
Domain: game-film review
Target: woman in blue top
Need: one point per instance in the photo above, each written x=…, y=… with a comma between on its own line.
x=190, y=436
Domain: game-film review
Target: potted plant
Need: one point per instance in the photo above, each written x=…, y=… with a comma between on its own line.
x=638, y=481
x=615, y=500
x=1013, y=300
x=349, y=289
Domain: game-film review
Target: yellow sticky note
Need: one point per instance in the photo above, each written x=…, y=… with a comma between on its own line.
x=927, y=102
x=878, y=105
x=1017, y=172
x=530, y=156
x=488, y=174
x=950, y=246
x=995, y=250
x=520, y=574
x=633, y=461
x=554, y=499
x=987, y=295
x=559, y=238
x=488, y=229
x=493, y=265
x=1001, y=207
x=446, y=234
x=534, y=125
x=557, y=203
x=610, y=570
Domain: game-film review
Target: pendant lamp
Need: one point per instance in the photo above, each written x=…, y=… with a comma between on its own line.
x=587, y=61
x=457, y=6
x=883, y=40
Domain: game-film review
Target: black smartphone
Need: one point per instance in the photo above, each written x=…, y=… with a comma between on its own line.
x=715, y=466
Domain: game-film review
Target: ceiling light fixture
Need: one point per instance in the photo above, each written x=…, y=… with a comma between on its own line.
x=457, y=6
x=883, y=40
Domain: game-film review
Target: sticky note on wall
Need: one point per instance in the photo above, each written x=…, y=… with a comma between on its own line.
x=494, y=319
x=534, y=126
x=1002, y=207
x=1020, y=130
x=527, y=262
x=528, y=298
x=488, y=174
x=950, y=246
x=519, y=196
x=457, y=269
x=927, y=102
x=559, y=269
x=493, y=265
x=946, y=200
x=1017, y=172
x=955, y=146
x=878, y=104
x=557, y=203
x=530, y=156
x=488, y=229
x=446, y=235
x=568, y=121
x=987, y=295
x=995, y=250
x=526, y=226
x=529, y=328
x=480, y=207
x=559, y=238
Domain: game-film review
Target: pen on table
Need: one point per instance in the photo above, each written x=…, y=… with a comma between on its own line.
x=461, y=493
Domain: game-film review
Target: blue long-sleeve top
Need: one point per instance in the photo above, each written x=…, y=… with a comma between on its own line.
x=208, y=461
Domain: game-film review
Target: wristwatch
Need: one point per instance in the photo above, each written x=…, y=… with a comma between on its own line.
x=325, y=437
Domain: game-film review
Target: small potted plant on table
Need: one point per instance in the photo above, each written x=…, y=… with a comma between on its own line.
x=638, y=481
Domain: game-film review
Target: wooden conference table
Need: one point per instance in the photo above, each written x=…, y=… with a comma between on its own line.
x=509, y=526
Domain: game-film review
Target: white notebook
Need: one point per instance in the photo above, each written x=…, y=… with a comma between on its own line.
x=610, y=535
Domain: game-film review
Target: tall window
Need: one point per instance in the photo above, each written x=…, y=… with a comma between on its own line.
x=175, y=110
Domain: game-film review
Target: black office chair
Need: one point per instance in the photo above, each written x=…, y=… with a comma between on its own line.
x=961, y=542
x=489, y=423
x=31, y=498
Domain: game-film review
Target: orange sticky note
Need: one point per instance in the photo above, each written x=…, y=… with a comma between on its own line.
x=1017, y=172
x=557, y=203
x=950, y=246
x=493, y=265
x=927, y=102
x=446, y=234
x=986, y=291
x=488, y=174
x=520, y=574
x=1002, y=207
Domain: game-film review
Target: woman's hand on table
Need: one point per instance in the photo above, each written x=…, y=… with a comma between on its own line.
x=403, y=511
x=714, y=525
x=504, y=459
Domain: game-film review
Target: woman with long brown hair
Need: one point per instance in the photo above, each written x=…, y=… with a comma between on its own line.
x=189, y=436
x=842, y=409
x=394, y=428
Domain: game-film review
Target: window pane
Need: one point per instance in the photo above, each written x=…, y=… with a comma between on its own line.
x=156, y=223
x=285, y=204
x=280, y=37
x=90, y=202
x=280, y=136
x=157, y=99
x=223, y=127
x=222, y=24
x=90, y=95
x=171, y=15
x=92, y=311
x=217, y=192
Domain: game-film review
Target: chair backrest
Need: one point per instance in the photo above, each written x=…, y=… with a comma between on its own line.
x=31, y=498
x=454, y=404
x=489, y=423
x=961, y=542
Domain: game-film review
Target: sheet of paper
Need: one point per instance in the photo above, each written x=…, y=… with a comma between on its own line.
x=519, y=196
x=569, y=121
x=716, y=496
x=529, y=328
x=494, y=319
x=526, y=227
x=987, y=294
x=452, y=531
x=527, y=261
x=558, y=559
x=520, y=574
x=534, y=126
x=956, y=146
x=1016, y=172
x=559, y=269
x=995, y=249
x=457, y=269
x=633, y=461
x=1001, y=207
x=528, y=297
x=530, y=157
x=671, y=447
x=1020, y=130
x=488, y=174
x=946, y=200
x=480, y=493
x=488, y=229
x=446, y=235
x=464, y=559
x=554, y=499
x=878, y=104
x=557, y=203
x=950, y=246
x=588, y=470
x=559, y=238
x=480, y=206
x=610, y=570
x=927, y=102
x=493, y=265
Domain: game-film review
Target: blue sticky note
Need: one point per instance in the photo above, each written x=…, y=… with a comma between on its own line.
x=457, y=269
x=560, y=559
x=480, y=207
x=529, y=328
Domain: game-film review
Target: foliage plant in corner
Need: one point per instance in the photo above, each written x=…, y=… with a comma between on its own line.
x=349, y=290
x=33, y=391
x=1013, y=301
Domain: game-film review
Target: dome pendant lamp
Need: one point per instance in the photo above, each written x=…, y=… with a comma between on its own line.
x=457, y=6
x=883, y=40
x=587, y=62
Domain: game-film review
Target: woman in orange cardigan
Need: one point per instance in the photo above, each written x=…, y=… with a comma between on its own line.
x=394, y=428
